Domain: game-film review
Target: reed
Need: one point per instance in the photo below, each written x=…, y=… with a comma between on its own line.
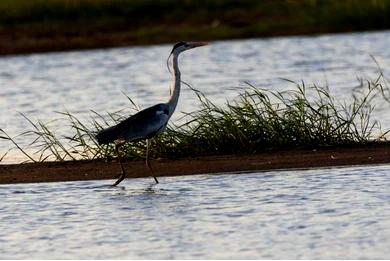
x=257, y=120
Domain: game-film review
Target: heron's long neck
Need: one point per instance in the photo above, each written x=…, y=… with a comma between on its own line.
x=176, y=85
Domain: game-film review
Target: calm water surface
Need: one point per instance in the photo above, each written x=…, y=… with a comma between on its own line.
x=40, y=84
x=325, y=213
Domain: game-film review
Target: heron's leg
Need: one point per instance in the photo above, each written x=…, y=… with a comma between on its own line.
x=123, y=174
x=148, y=142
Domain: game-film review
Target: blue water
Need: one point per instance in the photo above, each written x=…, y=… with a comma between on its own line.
x=326, y=213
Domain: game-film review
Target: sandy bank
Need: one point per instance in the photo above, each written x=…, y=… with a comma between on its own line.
x=99, y=169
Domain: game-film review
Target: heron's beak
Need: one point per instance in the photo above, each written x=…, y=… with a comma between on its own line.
x=197, y=44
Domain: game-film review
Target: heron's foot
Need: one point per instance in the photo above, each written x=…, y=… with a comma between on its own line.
x=123, y=174
x=151, y=171
x=121, y=178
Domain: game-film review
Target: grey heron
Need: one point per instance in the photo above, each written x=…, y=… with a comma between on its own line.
x=146, y=124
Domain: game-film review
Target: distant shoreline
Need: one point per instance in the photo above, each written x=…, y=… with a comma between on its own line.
x=12, y=45
x=60, y=25
x=273, y=160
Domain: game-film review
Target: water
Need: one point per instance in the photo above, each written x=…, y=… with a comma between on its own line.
x=325, y=213
x=40, y=84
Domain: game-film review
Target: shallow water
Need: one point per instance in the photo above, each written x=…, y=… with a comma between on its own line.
x=325, y=213
x=40, y=84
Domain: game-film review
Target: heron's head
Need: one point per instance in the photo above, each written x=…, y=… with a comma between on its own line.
x=183, y=46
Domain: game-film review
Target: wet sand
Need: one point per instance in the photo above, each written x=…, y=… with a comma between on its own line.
x=291, y=159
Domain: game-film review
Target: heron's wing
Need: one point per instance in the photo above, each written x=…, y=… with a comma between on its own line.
x=144, y=124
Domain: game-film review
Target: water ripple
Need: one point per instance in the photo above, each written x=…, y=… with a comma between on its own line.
x=327, y=213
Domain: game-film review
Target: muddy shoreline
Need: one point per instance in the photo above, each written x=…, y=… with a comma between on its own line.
x=273, y=160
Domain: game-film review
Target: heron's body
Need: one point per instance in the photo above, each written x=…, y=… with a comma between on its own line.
x=151, y=121
x=143, y=125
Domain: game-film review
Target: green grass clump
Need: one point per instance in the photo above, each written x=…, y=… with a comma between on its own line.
x=257, y=120
x=261, y=120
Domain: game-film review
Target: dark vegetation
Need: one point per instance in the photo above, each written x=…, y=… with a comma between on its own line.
x=49, y=25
